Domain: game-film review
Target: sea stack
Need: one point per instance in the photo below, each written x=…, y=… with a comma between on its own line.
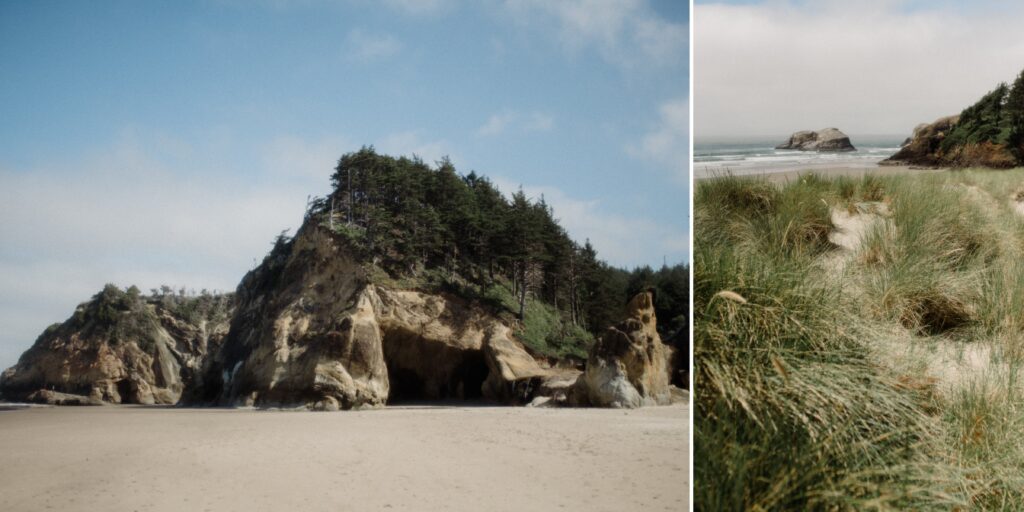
x=629, y=366
x=828, y=139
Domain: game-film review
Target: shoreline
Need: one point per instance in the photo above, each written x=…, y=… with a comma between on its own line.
x=789, y=173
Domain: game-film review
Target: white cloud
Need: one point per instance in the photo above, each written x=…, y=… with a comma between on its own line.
x=879, y=68
x=313, y=159
x=366, y=47
x=410, y=143
x=627, y=33
x=538, y=122
x=527, y=122
x=621, y=240
x=419, y=7
x=668, y=144
x=496, y=124
x=123, y=216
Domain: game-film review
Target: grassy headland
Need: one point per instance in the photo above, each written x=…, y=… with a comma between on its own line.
x=857, y=342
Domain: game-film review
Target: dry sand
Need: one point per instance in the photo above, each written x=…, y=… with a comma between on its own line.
x=399, y=458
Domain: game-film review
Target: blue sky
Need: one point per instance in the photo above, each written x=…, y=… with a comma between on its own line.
x=169, y=142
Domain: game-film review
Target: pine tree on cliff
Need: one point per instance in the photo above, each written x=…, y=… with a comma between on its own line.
x=409, y=217
x=491, y=209
x=989, y=120
x=523, y=243
x=1015, y=111
x=456, y=208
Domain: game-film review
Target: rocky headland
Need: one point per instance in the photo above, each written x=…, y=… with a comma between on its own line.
x=121, y=347
x=989, y=133
x=333, y=318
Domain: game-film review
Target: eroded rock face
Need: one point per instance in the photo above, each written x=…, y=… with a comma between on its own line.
x=312, y=331
x=828, y=139
x=118, y=349
x=629, y=364
x=924, y=149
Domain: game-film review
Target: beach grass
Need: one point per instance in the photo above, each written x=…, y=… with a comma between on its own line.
x=876, y=375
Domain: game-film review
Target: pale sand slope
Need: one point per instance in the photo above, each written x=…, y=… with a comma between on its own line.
x=400, y=458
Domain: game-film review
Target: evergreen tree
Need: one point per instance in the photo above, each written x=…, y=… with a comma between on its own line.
x=408, y=218
x=1015, y=112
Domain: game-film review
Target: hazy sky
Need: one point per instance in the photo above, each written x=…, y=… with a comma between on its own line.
x=872, y=67
x=169, y=142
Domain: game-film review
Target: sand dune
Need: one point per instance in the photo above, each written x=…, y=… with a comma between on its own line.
x=399, y=458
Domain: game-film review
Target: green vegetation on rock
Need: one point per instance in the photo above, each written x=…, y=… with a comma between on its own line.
x=989, y=133
x=429, y=228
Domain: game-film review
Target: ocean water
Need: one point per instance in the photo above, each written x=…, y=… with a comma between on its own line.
x=741, y=156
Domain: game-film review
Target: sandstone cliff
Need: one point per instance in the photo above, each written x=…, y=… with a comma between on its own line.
x=120, y=347
x=629, y=366
x=312, y=330
x=405, y=283
x=828, y=139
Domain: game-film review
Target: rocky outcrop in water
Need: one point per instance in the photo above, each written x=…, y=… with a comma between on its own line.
x=120, y=347
x=629, y=364
x=828, y=139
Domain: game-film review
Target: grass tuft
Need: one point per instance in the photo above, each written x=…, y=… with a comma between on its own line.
x=823, y=375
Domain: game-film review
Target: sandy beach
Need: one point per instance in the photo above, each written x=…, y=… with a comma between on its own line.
x=121, y=458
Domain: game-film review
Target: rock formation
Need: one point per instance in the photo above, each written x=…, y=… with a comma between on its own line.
x=989, y=133
x=828, y=139
x=922, y=147
x=357, y=313
x=629, y=364
x=925, y=148
x=680, y=358
x=311, y=330
x=120, y=348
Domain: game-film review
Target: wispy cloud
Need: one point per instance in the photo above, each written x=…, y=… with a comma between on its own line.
x=127, y=215
x=668, y=143
x=310, y=158
x=420, y=7
x=626, y=33
x=409, y=143
x=366, y=47
x=534, y=121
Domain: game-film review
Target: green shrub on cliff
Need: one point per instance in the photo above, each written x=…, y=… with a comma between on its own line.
x=431, y=227
x=997, y=118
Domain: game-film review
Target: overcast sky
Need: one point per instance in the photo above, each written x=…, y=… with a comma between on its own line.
x=169, y=142
x=871, y=67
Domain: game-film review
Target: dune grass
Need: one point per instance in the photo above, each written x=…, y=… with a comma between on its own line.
x=820, y=378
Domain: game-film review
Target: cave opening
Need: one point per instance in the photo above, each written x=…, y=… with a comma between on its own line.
x=422, y=370
x=124, y=389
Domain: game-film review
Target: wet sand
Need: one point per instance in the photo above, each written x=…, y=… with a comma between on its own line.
x=399, y=458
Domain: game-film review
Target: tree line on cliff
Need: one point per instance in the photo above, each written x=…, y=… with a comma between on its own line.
x=997, y=118
x=412, y=219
